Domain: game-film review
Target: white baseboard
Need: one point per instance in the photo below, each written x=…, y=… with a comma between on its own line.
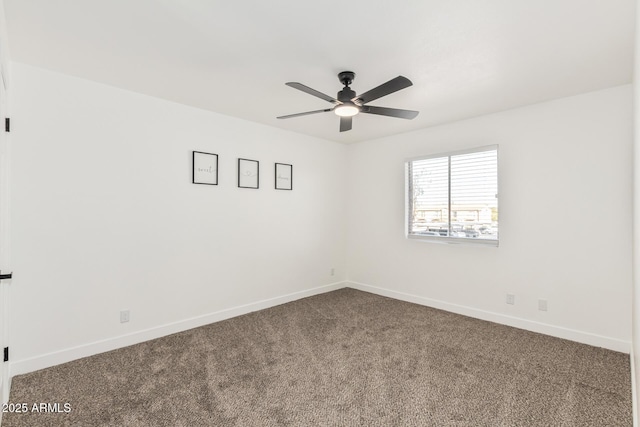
x=6, y=389
x=55, y=358
x=529, y=325
x=634, y=390
x=24, y=366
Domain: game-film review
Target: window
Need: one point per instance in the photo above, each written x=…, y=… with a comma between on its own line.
x=453, y=197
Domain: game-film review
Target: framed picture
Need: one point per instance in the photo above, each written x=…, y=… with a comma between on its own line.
x=284, y=176
x=205, y=168
x=248, y=173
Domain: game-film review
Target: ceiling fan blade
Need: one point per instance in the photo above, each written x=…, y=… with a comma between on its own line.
x=307, y=89
x=345, y=123
x=391, y=112
x=385, y=89
x=304, y=114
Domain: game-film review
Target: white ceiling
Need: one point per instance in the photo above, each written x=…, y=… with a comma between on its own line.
x=465, y=57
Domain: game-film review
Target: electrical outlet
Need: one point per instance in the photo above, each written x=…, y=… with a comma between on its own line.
x=124, y=316
x=511, y=299
x=333, y=271
x=542, y=304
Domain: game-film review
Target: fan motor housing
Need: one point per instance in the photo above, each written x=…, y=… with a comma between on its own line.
x=346, y=95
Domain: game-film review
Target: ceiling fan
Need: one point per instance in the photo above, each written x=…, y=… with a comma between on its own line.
x=348, y=104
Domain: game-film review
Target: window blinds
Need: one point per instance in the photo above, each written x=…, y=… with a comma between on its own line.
x=454, y=195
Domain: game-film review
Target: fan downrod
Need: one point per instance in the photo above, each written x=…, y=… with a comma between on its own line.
x=346, y=77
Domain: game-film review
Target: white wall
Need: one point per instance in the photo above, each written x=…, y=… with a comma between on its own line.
x=105, y=218
x=565, y=175
x=5, y=154
x=635, y=361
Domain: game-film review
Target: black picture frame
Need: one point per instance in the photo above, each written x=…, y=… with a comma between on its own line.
x=248, y=173
x=204, y=168
x=283, y=176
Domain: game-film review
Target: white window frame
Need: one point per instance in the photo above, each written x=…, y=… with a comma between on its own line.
x=409, y=200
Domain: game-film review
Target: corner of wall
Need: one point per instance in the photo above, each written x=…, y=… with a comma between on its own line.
x=85, y=350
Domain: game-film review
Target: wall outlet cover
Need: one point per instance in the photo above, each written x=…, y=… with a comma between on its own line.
x=542, y=304
x=124, y=316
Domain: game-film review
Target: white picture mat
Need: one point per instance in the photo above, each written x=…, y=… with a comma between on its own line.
x=205, y=168
x=284, y=175
x=248, y=173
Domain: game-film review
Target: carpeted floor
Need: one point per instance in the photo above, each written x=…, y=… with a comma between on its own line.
x=345, y=358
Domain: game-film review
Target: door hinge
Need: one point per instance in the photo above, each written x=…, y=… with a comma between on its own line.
x=7, y=124
x=6, y=354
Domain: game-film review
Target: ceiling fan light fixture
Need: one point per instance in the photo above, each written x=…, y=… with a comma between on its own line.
x=348, y=104
x=346, y=110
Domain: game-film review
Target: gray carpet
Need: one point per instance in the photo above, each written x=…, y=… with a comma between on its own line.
x=345, y=358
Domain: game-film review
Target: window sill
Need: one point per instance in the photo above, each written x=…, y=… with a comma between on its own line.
x=453, y=240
